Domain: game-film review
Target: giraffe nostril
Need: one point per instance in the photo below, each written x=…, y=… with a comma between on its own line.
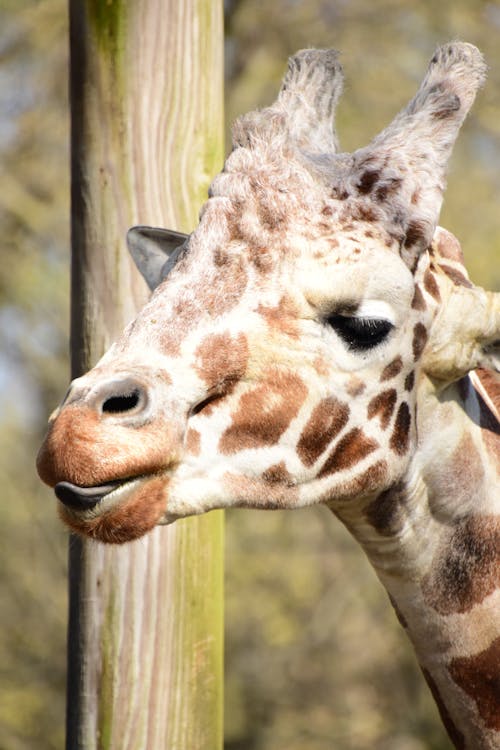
x=118, y=398
x=124, y=402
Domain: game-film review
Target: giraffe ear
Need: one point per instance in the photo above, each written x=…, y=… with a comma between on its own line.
x=465, y=333
x=155, y=251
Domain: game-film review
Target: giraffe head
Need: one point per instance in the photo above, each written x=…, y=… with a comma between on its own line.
x=278, y=360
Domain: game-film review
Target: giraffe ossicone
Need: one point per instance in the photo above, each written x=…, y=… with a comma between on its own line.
x=317, y=340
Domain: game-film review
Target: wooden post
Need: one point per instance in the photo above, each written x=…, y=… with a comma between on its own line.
x=145, y=625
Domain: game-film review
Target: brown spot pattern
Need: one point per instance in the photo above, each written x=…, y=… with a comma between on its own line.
x=382, y=406
x=355, y=386
x=272, y=218
x=234, y=224
x=277, y=474
x=479, y=677
x=368, y=481
x=384, y=512
x=339, y=194
x=321, y=366
x=416, y=233
x=254, y=492
x=282, y=317
x=221, y=358
x=184, y=316
x=262, y=259
x=226, y=293
x=455, y=275
x=400, y=438
x=410, y=381
x=264, y=413
x=349, y=451
x=431, y=286
x=388, y=188
x=326, y=421
x=363, y=212
x=455, y=735
x=221, y=257
x=418, y=301
x=419, y=340
x=392, y=369
x=467, y=569
x=368, y=180
x=193, y=438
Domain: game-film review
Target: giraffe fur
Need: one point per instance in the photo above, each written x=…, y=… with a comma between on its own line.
x=317, y=339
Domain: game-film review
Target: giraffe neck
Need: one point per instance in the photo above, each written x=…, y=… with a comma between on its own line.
x=434, y=541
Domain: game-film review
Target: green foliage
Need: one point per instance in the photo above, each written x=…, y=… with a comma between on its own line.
x=34, y=193
x=314, y=656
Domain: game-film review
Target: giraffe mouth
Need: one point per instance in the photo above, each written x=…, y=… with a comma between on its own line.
x=86, y=498
x=116, y=512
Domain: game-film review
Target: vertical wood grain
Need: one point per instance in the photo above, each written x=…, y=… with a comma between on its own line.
x=145, y=621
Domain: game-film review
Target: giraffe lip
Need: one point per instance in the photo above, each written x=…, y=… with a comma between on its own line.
x=84, y=498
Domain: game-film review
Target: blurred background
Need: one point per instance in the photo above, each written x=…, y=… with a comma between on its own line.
x=315, y=659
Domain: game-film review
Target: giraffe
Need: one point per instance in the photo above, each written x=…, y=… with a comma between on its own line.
x=317, y=339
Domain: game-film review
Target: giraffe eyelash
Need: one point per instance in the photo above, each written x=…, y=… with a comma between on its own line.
x=360, y=334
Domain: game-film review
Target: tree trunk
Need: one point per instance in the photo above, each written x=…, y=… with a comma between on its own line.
x=145, y=626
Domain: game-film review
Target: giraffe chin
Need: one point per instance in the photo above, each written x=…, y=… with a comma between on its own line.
x=123, y=514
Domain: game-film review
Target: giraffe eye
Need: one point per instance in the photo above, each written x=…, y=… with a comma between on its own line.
x=360, y=334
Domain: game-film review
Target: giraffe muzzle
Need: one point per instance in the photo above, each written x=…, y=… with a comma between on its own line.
x=83, y=498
